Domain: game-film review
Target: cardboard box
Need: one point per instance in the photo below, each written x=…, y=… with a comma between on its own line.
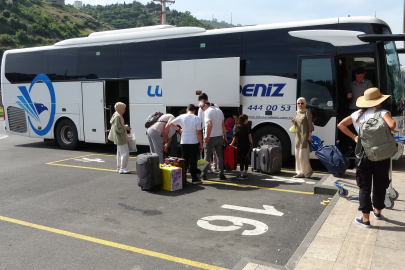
x=171, y=178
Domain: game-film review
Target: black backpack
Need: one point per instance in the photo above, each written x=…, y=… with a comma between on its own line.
x=153, y=118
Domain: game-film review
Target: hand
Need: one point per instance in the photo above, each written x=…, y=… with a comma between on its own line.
x=356, y=138
x=225, y=140
x=349, y=95
x=201, y=147
x=181, y=130
x=129, y=128
x=292, y=120
x=206, y=139
x=165, y=149
x=310, y=138
x=164, y=140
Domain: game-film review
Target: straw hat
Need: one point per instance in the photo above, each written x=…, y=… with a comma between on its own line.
x=372, y=97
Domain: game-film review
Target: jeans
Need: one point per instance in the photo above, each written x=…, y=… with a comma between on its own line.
x=376, y=174
x=214, y=143
x=190, y=157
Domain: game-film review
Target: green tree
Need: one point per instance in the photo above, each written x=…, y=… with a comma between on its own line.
x=6, y=13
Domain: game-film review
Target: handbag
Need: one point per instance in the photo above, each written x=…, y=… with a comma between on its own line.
x=111, y=134
x=132, y=142
x=293, y=129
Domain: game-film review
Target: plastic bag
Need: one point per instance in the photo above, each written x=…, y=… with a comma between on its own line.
x=201, y=164
x=132, y=142
x=293, y=129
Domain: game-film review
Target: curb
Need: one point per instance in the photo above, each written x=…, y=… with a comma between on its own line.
x=245, y=261
x=296, y=257
x=323, y=189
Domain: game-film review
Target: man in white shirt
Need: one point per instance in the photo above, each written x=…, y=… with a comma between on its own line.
x=191, y=139
x=204, y=97
x=214, y=136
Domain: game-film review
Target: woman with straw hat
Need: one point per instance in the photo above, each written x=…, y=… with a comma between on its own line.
x=369, y=173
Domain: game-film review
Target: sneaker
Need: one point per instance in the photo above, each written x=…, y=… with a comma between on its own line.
x=222, y=177
x=300, y=175
x=359, y=220
x=196, y=181
x=124, y=171
x=240, y=177
x=245, y=177
x=377, y=215
x=208, y=171
x=118, y=170
x=213, y=169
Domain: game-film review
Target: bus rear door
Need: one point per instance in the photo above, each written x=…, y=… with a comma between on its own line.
x=93, y=112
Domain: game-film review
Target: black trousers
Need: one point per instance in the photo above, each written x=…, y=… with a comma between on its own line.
x=190, y=152
x=373, y=174
x=243, y=158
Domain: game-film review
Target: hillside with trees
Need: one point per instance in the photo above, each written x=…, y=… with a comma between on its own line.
x=31, y=23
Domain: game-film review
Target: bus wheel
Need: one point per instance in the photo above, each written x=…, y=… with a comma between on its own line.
x=273, y=136
x=66, y=134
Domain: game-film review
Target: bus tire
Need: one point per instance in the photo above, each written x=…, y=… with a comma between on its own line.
x=273, y=135
x=66, y=134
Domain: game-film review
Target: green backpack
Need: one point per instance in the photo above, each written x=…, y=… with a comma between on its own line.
x=376, y=139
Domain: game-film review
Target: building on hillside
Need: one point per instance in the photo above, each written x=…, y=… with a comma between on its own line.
x=62, y=2
x=78, y=4
x=9, y=1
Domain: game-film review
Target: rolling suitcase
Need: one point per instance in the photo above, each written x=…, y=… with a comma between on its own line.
x=270, y=159
x=332, y=159
x=230, y=157
x=255, y=163
x=147, y=169
x=181, y=163
x=171, y=177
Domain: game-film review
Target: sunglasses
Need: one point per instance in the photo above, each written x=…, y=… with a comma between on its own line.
x=300, y=103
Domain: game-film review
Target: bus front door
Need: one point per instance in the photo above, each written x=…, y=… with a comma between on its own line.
x=317, y=84
x=93, y=112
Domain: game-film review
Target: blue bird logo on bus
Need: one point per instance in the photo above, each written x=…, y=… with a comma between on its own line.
x=34, y=109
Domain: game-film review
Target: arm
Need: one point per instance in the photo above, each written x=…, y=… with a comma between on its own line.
x=199, y=136
x=166, y=148
x=390, y=122
x=209, y=129
x=310, y=128
x=166, y=131
x=118, y=129
x=233, y=140
x=343, y=127
x=250, y=139
x=224, y=131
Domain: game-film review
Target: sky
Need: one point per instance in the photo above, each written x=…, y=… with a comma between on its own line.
x=250, y=12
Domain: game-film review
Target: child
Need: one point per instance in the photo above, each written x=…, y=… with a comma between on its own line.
x=243, y=137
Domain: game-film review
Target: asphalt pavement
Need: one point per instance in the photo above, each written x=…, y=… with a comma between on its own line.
x=70, y=210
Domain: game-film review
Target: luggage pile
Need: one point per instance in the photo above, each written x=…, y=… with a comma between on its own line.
x=267, y=159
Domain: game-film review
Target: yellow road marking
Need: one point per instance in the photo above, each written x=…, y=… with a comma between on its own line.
x=295, y=172
x=50, y=163
x=240, y=185
x=115, y=245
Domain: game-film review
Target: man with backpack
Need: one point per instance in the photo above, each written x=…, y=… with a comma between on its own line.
x=158, y=132
x=375, y=147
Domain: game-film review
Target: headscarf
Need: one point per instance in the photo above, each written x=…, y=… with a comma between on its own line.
x=304, y=106
x=119, y=108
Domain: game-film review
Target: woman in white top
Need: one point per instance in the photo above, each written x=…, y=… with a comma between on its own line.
x=191, y=138
x=369, y=173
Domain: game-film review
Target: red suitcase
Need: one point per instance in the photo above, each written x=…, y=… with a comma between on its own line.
x=230, y=157
x=178, y=162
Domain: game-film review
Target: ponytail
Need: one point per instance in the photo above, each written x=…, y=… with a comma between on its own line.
x=362, y=110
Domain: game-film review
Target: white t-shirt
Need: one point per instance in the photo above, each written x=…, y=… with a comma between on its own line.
x=190, y=123
x=217, y=118
x=366, y=116
x=201, y=114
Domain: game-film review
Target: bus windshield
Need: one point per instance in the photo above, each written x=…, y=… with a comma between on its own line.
x=395, y=80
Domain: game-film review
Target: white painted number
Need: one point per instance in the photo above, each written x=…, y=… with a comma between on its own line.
x=268, y=209
x=238, y=222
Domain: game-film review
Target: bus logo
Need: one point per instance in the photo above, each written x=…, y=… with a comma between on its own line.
x=156, y=94
x=253, y=90
x=34, y=109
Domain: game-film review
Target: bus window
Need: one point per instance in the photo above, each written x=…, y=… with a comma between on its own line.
x=317, y=86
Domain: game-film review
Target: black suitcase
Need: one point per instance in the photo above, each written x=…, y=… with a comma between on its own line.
x=270, y=158
x=148, y=171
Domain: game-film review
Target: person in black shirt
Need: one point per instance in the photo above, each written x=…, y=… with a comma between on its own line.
x=243, y=137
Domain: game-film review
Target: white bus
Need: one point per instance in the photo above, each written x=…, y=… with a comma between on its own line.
x=67, y=91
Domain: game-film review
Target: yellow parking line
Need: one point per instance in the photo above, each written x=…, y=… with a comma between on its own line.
x=276, y=189
x=82, y=167
x=50, y=163
x=115, y=245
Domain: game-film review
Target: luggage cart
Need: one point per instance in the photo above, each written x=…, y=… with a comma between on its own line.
x=391, y=194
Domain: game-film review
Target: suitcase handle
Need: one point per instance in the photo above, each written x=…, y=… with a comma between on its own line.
x=264, y=160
